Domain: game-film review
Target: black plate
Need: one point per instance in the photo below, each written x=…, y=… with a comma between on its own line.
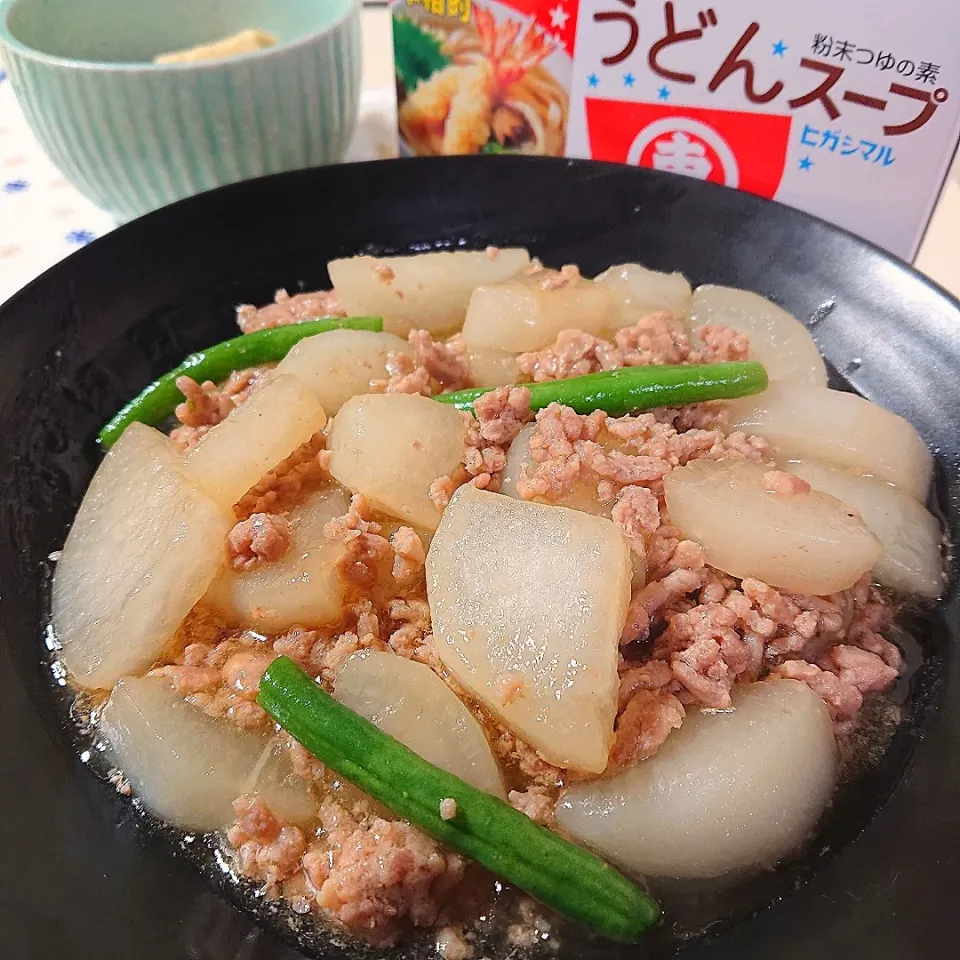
x=82, y=876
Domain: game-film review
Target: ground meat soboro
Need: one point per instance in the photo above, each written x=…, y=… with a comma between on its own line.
x=436, y=366
x=261, y=538
x=499, y=416
x=289, y=482
x=267, y=850
x=205, y=404
x=708, y=631
x=286, y=309
x=655, y=339
x=374, y=875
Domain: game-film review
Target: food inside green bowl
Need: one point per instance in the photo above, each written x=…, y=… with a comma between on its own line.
x=244, y=41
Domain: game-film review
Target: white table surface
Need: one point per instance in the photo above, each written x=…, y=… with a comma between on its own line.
x=43, y=218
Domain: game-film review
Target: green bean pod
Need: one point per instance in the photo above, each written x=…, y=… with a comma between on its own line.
x=159, y=400
x=504, y=840
x=618, y=392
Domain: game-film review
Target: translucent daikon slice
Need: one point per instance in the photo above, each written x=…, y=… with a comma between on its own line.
x=391, y=447
x=638, y=292
x=910, y=534
x=808, y=422
x=493, y=368
x=259, y=434
x=428, y=291
x=144, y=547
x=340, y=364
x=527, y=603
x=521, y=315
x=410, y=702
x=729, y=790
x=302, y=587
x=805, y=543
x=778, y=340
x=188, y=768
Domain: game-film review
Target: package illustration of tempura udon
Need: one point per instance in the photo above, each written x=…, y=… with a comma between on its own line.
x=482, y=77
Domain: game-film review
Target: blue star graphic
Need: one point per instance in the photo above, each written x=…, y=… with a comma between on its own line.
x=806, y=163
x=779, y=49
x=663, y=94
x=593, y=80
x=628, y=79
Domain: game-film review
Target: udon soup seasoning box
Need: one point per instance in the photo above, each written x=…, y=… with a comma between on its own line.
x=850, y=111
x=483, y=77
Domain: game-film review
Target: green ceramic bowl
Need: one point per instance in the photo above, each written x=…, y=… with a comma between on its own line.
x=132, y=135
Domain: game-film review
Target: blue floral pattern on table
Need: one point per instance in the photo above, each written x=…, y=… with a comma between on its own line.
x=44, y=219
x=80, y=237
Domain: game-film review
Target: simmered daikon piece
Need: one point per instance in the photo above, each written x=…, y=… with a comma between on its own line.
x=910, y=534
x=188, y=768
x=274, y=779
x=428, y=291
x=638, y=292
x=778, y=340
x=391, y=447
x=410, y=702
x=302, y=587
x=493, y=368
x=804, y=542
x=528, y=313
x=527, y=603
x=729, y=790
x=806, y=422
x=254, y=438
x=583, y=497
x=518, y=458
x=340, y=364
x=143, y=549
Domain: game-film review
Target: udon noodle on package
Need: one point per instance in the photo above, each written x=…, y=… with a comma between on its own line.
x=482, y=76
